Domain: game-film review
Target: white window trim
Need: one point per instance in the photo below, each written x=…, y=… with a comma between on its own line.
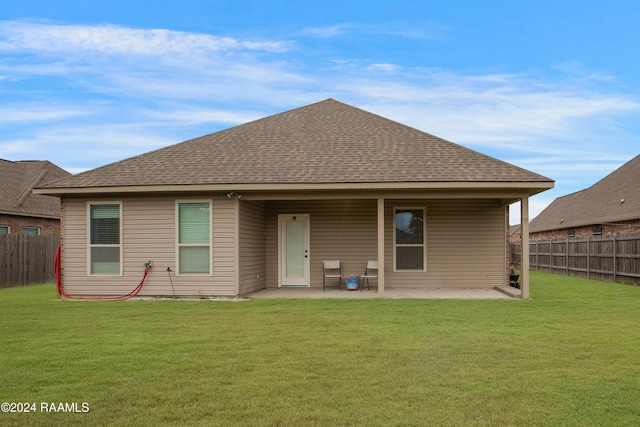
x=89, y=245
x=424, y=238
x=8, y=228
x=177, y=237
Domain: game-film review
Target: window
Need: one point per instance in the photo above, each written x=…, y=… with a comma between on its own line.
x=597, y=230
x=194, y=237
x=571, y=233
x=409, y=239
x=4, y=229
x=30, y=231
x=105, y=228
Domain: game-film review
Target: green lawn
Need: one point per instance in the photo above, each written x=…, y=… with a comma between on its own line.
x=569, y=356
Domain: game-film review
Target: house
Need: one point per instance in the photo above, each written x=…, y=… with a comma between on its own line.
x=21, y=211
x=610, y=207
x=261, y=205
x=514, y=233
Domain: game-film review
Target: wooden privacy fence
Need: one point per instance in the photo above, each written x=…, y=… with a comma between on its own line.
x=26, y=260
x=615, y=259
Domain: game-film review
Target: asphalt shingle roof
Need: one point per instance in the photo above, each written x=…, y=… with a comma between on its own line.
x=18, y=180
x=325, y=142
x=599, y=204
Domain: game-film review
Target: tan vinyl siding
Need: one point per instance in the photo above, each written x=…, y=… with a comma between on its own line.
x=465, y=240
x=253, y=275
x=339, y=229
x=465, y=245
x=149, y=234
x=225, y=275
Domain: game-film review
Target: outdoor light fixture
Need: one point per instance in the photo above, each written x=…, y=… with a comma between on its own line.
x=233, y=193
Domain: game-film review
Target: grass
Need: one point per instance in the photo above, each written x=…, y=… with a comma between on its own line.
x=569, y=356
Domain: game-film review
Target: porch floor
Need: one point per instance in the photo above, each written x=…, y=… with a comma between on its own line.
x=470, y=293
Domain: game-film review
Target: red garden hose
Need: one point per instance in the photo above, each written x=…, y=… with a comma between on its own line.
x=62, y=294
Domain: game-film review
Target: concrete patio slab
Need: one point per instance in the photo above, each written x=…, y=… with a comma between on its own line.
x=472, y=293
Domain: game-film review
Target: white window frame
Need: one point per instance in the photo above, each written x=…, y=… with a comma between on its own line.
x=424, y=238
x=89, y=245
x=8, y=227
x=177, y=237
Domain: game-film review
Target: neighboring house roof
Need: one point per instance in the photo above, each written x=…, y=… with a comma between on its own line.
x=18, y=180
x=514, y=229
x=325, y=143
x=614, y=198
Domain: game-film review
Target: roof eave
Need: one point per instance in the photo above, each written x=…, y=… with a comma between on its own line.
x=587, y=223
x=30, y=214
x=528, y=187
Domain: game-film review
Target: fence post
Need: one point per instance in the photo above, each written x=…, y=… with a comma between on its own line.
x=566, y=268
x=615, y=261
x=550, y=256
x=588, y=257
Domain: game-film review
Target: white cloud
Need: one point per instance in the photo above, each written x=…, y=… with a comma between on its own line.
x=188, y=116
x=431, y=31
x=485, y=110
x=156, y=63
x=382, y=67
x=496, y=111
x=56, y=39
x=77, y=147
x=325, y=32
x=33, y=112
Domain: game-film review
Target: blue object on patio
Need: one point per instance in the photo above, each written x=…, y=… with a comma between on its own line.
x=352, y=282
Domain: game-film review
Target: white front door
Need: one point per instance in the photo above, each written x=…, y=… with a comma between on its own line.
x=293, y=242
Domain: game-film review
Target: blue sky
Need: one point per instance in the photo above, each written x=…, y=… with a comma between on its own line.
x=551, y=86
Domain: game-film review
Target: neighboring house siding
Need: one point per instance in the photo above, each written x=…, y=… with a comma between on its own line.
x=149, y=234
x=253, y=274
x=621, y=228
x=47, y=226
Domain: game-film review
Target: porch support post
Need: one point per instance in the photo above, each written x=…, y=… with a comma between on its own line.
x=380, y=247
x=524, y=221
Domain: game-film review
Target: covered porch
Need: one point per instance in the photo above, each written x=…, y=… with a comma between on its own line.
x=464, y=243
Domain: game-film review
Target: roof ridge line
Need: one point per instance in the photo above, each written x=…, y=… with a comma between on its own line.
x=34, y=182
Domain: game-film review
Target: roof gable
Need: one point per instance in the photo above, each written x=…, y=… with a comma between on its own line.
x=322, y=143
x=612, y=199
x=18, y=180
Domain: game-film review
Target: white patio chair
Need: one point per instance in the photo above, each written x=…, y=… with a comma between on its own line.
x=331, y=270
x=370, y=272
